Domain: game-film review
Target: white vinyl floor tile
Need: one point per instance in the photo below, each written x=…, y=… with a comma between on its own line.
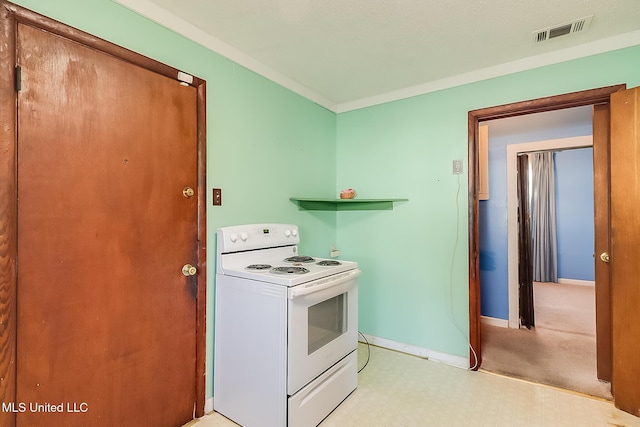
x=400, y=390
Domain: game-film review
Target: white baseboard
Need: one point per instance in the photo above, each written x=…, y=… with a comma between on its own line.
x=446, y=358
x=208, y=405
x=577, y=282
x=494, y=321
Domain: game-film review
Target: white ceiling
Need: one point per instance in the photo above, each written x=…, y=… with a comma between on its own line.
x=347, y=54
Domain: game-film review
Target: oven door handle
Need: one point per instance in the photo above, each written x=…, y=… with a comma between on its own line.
x=322, y=284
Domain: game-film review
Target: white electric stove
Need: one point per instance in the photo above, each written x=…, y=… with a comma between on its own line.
x=285, y=328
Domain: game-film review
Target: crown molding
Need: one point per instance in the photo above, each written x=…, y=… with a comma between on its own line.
x=587, y=49
x=167, y=19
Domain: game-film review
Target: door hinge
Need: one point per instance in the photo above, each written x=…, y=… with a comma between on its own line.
x=18, y=78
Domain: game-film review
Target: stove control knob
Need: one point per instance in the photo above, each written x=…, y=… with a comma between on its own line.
x=294, y=232
x=233, y=237
x=287, y=233
x=244, y=237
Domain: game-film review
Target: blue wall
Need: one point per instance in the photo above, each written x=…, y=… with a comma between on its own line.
x=493, y=212
x=574, y=213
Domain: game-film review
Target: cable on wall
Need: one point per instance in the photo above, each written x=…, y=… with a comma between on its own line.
x=453, y=257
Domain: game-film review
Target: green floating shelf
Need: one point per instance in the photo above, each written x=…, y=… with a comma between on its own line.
x=311, y=204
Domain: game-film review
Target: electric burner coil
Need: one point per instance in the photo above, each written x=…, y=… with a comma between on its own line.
x=289, y=270
x=299, y=258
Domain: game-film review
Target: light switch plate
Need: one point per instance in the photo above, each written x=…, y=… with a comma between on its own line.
x=217, y=197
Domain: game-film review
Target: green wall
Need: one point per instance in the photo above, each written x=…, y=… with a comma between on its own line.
x=264, y=143
x=414, y=285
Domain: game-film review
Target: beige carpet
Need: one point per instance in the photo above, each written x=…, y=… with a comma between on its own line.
x=561, y=349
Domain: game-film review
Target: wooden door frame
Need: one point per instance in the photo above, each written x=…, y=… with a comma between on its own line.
x=575, y=99
x=10, y=16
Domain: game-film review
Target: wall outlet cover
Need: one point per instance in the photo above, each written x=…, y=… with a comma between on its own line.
x=457, y=167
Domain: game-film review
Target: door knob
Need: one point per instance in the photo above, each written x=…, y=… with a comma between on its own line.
x=189, y=270
x=604, y=256
x=188, y=192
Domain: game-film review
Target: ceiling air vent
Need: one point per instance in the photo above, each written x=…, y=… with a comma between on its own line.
x=576, y=26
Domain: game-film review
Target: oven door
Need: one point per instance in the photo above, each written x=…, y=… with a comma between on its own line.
x=322, y=326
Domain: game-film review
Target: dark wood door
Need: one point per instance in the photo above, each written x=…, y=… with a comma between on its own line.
x=106, y=320
x=602, y=238
x=625, y=249
x=525, y=261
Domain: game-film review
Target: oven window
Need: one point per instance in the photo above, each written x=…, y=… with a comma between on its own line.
x=327, y=321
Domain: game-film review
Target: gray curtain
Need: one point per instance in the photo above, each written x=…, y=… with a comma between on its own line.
x=543, y=217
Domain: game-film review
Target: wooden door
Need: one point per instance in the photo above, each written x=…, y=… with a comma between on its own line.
x=106, y=321
x=625, y=248
x=525, y=263
x=602, y=232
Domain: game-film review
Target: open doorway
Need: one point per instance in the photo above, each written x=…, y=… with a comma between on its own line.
x=600, y=99
x=615, y=145
x=561, y=350
x=498, y=213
